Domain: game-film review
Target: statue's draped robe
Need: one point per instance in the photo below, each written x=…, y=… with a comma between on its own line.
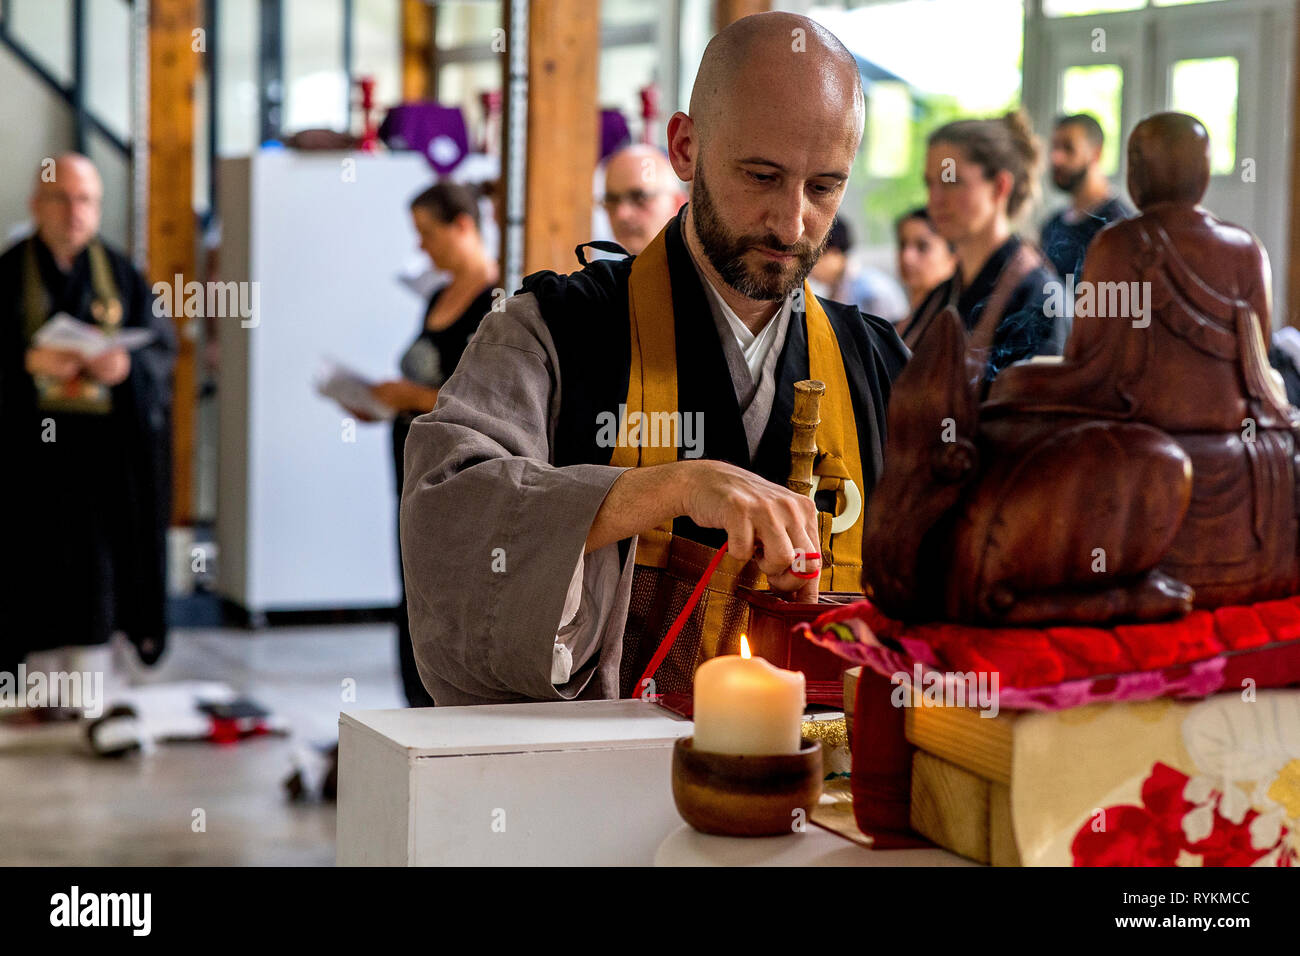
x=505, y=476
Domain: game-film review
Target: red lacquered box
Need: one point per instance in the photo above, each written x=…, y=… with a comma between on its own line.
x=771, y=621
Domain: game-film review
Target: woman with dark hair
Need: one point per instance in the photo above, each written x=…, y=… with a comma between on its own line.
x=446, y=216
x=925, y=258
x=981, y=175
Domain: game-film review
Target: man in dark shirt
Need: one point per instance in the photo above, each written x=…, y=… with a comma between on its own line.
x=1076, y=169
x=87, y=478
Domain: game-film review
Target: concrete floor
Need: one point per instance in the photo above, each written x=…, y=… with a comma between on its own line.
x=61, y=805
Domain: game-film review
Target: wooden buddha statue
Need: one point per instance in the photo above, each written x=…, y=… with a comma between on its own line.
x=1151, y=469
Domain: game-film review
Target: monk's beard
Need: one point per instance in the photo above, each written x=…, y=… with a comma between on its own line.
x=726, y=251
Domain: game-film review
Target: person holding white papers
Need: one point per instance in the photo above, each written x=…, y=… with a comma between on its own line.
x=85, y=408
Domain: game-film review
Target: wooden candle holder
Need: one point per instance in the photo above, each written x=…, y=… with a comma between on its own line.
x=746, y=795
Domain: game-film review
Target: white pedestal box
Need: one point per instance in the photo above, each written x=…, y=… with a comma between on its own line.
x=580, y=783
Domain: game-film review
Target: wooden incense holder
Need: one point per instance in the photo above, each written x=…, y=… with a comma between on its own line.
x=803, y=439
x=746, y=795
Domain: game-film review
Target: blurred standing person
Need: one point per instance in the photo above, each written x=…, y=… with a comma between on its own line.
x=925, y=258
x=88, y=442
x=980, y=174
x=446, y=217
x=835, y=277
x=641, y=194
x=1077, y=144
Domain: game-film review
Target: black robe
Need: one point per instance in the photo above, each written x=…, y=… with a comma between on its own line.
x=429, y=361
x=1065, y=244
x=587, y=314
x=86, y=539
x=1025, y=330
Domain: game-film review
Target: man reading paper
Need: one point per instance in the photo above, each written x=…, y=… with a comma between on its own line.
x=87, y=435
x=534, y=552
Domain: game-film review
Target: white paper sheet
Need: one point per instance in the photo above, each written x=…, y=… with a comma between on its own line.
x=351, y=390
x=64, y=332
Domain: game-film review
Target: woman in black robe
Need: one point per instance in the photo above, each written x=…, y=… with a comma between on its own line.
x=980, y=175
x=446, y=216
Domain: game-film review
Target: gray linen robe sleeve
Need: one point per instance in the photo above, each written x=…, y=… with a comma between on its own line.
x=479, y=478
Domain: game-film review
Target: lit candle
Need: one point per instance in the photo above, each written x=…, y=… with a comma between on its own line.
x=745, y=705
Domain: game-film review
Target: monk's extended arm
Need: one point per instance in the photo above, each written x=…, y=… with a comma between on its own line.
x=714, y=494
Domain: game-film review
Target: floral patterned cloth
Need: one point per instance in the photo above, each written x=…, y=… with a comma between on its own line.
x=1161, y=783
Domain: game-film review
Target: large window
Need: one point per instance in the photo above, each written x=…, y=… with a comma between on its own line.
x=1081, y=8
x=1207, y=88
x=318, y=55
x=44, y=28
x=917, y=78
x=315, y=76
x=1099, y=91
x=468, y=64
x=639, y=47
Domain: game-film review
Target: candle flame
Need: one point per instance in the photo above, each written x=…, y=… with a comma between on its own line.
x=744, y=647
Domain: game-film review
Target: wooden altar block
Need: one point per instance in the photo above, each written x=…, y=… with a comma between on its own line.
x=583, y=783
x=950, y=806
x=961, y=777
x=962, y=811
x=1002, y=838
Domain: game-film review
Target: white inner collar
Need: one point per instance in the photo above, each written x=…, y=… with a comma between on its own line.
x=753, y=346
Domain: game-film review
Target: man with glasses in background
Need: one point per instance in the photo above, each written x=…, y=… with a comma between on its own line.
x=641, y=194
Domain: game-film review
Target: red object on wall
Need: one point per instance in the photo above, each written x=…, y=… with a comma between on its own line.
x=370, y=131
x=649, y=113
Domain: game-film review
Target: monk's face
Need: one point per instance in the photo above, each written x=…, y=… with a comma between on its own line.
x=963, y=199
x=769, y=177
x=67, y=209
x=641, y=194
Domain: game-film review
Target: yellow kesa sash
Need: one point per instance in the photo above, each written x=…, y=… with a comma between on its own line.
x=652, y=387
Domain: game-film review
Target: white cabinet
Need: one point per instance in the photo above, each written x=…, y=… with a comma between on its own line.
x=306, y=511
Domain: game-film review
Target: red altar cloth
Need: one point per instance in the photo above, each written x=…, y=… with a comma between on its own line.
x=1050, y=668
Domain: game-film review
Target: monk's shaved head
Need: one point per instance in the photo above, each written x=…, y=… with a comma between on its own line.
x=775, y=123
x=781, y=55
x=66, y=204
x=67, y=164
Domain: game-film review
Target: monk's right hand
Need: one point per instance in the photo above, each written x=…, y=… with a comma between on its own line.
x=763, y=520
x=58, y=364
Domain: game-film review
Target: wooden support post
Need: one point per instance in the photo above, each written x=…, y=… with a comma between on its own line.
x=418, y=49
x=173, y=68
x=563, y=51
x=727, y=12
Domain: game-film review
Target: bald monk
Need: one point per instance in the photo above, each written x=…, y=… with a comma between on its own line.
x=87, y=470
x=1150, y=471
x=534, y=530
x=641, y=194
